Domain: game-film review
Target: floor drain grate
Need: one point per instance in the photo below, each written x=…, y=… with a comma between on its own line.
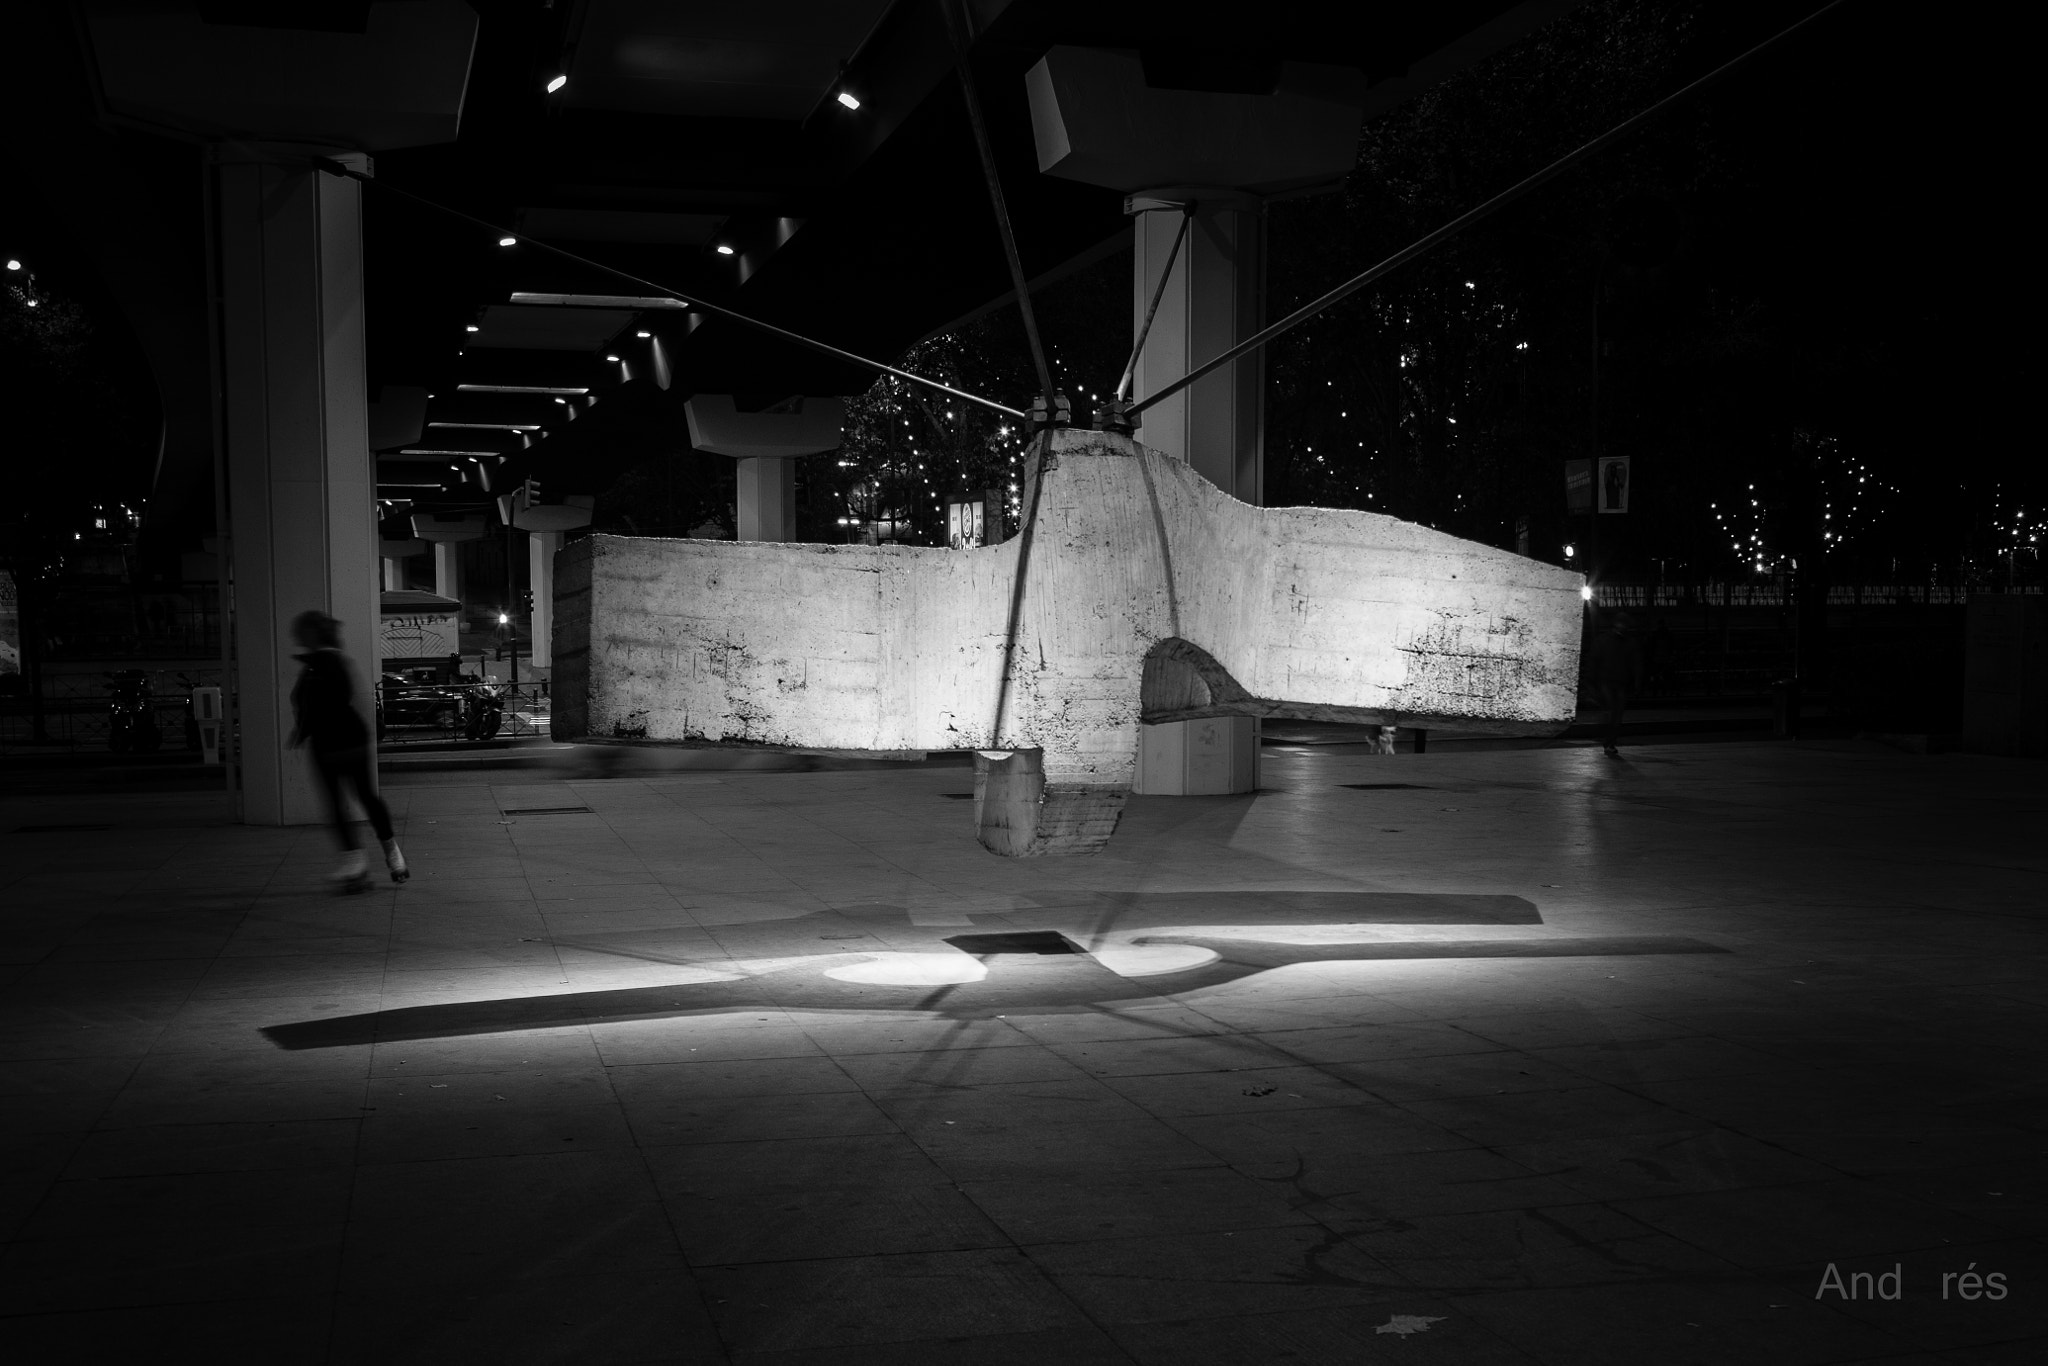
x=1014, y=941
x=548, y=811
x=55, y=829
x=1385, y=787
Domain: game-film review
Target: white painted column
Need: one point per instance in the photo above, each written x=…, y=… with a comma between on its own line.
x=766, y=509
x=448, y=569
x=540, y=549
x=394, y=574
x=1215, y=297
x=300, y=527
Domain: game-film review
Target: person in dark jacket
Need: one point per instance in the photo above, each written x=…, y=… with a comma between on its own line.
x=1617, y=671
x=326, y=722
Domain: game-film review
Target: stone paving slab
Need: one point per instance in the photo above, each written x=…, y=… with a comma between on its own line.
x=1467, y=1057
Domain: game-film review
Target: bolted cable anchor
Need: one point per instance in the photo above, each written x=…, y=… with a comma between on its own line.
x=1115, y=416
x=1055, y=411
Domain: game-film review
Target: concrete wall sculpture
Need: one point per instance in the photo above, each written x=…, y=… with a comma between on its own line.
x=1137, y=591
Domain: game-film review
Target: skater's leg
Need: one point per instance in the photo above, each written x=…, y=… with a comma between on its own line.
x=359, y=776
x=328, y=769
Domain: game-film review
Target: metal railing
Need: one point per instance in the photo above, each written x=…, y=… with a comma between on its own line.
x=437, y=713
x=78, y=713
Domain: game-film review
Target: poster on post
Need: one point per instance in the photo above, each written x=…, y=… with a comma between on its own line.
x=1614, y=483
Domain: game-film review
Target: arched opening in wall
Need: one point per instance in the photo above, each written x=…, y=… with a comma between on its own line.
x=1182, y=681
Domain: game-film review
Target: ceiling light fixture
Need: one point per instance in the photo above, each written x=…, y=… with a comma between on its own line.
x=724, y=250
x=491, y=426
x=472, y=327
x=643, y=336
x=515, y=389
x=846, y=98
x=613, y=359
x=13, y=264
x=508, y=241
x=635, y=301
x=557, y=83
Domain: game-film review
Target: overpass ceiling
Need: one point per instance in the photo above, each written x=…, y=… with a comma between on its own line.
x=725, y=59
x=698, y=147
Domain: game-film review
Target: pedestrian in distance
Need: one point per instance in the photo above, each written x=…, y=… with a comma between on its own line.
x=1617, y=669
x=327, y=723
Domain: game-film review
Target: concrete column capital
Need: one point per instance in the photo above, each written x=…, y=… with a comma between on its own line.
x=1208, y=199
x=252, y=152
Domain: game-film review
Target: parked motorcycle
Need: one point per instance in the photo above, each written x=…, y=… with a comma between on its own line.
x=131, y=713
x=485, y=711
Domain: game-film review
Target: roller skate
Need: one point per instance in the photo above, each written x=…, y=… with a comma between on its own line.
x=353, y=876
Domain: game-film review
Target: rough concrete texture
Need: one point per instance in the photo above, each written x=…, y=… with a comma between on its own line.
x=1138, y=590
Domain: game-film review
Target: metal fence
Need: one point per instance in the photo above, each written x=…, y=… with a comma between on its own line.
x=78, y=713
x=1774, y=594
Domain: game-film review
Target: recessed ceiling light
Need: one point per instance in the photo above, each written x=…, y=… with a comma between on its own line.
x=643, y=336
x=846, y=98
x=724, y=250
x=613, y=359
x=508, y=241
x=557, y=83
x=471, y=328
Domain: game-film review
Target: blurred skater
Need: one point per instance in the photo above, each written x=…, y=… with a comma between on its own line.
x=1617, y=672
x=327, y=723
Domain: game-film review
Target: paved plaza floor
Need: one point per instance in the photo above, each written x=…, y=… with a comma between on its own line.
x=1725, y=1052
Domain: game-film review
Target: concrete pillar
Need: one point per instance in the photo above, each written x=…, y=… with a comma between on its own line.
x=448, y=569
x=1215, y=297
x=301, y=526
x=767, y=499
x=394, y=574
x=540, y=550
x=765, y=442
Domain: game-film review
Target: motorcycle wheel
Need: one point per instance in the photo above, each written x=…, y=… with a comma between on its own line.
x=490, y=724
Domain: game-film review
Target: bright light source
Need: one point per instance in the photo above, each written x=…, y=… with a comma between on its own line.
x=1586, y=592
x=472, y=327
x=643, y=336
x=724, y=250
x=516, y=389
x=508, y=241
x=13, y=264
x=1570, y=550
x=504, y=619
x=613, y=359
x=557, y=83
x=846, y=98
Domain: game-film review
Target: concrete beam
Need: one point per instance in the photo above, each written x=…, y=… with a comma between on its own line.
x=1094, y=119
